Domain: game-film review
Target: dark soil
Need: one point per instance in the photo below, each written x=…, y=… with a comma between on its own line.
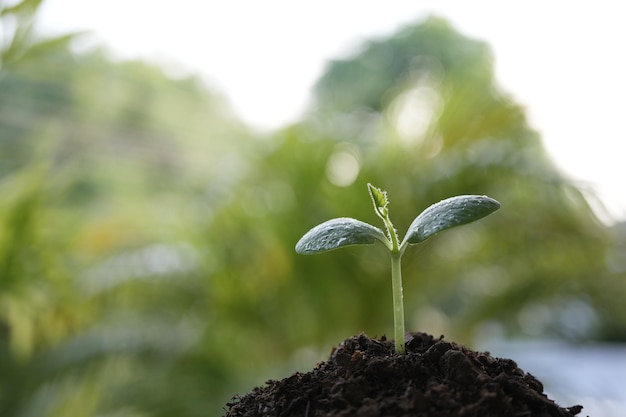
x=436, y=378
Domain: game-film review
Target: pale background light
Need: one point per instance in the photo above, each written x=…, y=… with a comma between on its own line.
x=563, y=61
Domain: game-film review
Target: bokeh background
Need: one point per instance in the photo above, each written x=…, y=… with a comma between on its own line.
x=147, y=232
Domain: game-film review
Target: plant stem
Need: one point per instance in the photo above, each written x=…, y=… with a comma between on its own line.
x=396, y=284
x=398, y=303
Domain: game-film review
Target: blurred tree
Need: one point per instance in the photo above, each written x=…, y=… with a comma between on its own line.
x=101, y=289
x=449, y=129
x=420, y=115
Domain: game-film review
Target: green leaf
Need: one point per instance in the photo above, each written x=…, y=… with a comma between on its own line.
x=25, y=6
x=449, y=213
x=379, y=198
x=336, y=233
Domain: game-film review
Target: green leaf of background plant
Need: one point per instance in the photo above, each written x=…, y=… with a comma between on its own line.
x=449, y=213
x=339, y=232
x=25, y=6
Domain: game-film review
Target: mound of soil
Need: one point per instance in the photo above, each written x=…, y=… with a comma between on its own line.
x=364, y=377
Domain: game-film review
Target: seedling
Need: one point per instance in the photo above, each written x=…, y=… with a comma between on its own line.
x=345, y=231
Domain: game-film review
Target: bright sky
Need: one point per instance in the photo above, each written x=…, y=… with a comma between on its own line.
x=563, y=61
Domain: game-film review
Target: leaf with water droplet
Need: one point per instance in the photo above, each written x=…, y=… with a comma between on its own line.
x=337, y=233
x=449, y=213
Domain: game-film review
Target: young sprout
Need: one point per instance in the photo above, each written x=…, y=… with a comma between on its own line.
x=344, y=231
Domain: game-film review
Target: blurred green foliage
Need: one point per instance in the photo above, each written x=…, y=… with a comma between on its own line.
x=146, y=234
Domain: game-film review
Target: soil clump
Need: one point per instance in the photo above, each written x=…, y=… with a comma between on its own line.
x=364, y=377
